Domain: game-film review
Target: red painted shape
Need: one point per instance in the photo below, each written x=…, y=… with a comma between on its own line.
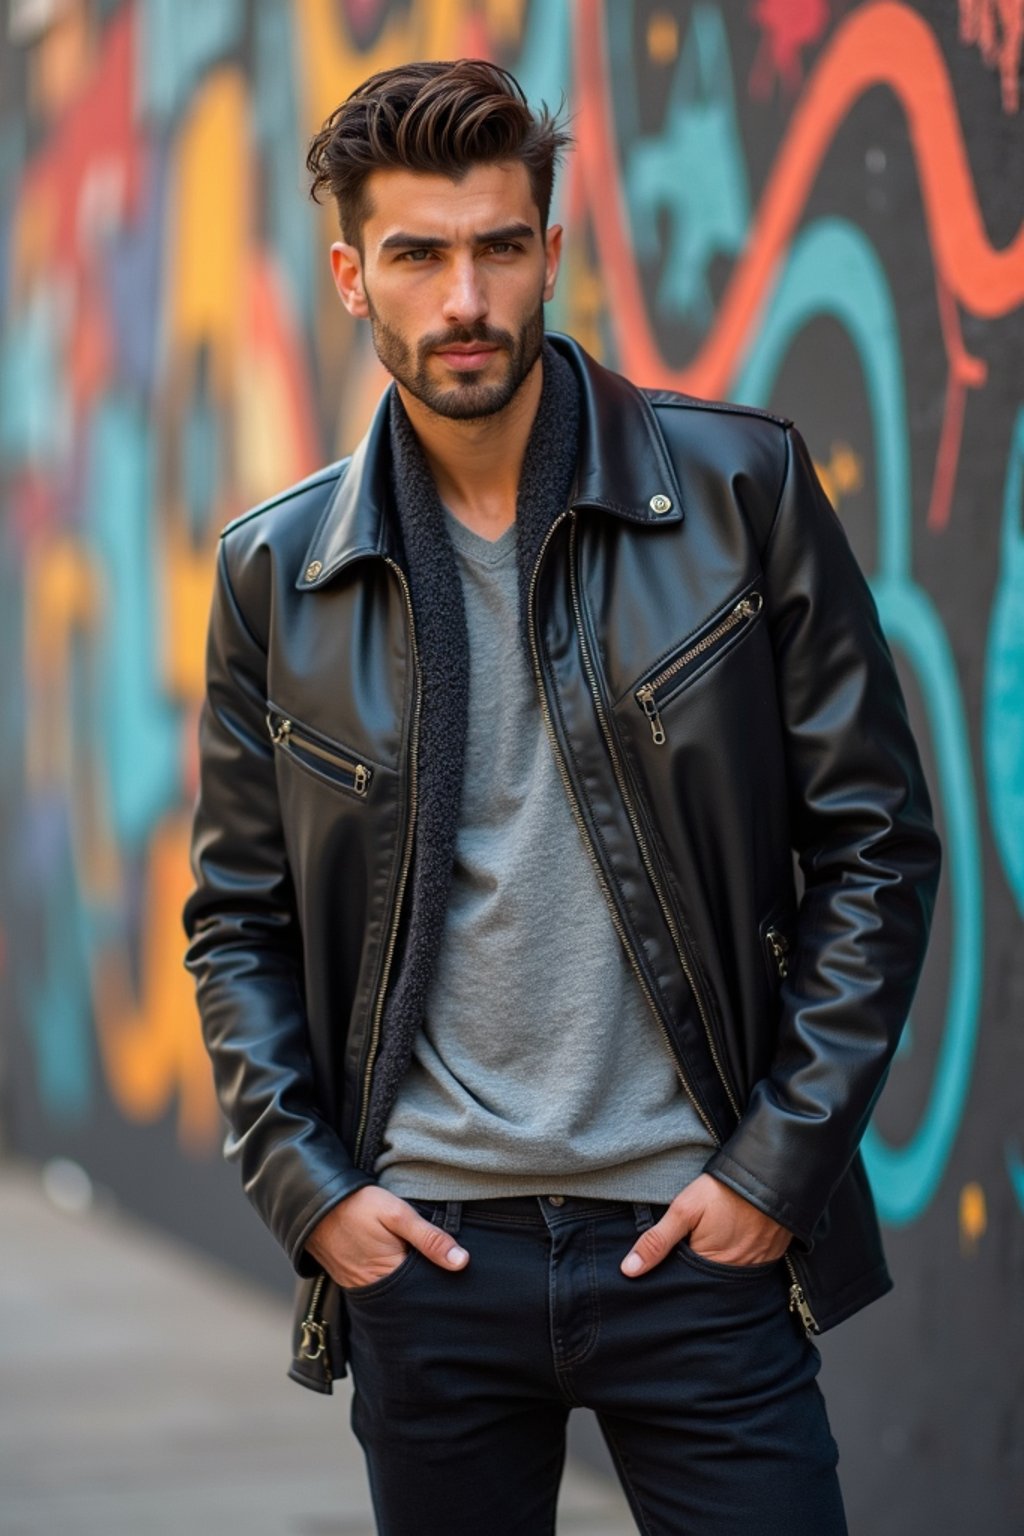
x=787, y=26
x=84, y=181
x=880, y=43
x=997, y=26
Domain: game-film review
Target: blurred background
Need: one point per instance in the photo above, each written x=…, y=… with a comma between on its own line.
x=811, y=206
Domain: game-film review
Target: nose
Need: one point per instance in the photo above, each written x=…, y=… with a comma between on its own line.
x=465, y=300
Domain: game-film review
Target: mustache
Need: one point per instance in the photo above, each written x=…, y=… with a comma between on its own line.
x=463, y=336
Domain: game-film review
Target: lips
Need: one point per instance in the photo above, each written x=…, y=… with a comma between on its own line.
x=466, y=357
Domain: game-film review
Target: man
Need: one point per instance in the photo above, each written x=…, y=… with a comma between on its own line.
x=545, y=1080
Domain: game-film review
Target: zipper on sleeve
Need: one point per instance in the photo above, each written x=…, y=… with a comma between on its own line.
x=317, y=753
x=646, y=695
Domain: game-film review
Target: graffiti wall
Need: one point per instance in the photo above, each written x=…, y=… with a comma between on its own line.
x=813, y=206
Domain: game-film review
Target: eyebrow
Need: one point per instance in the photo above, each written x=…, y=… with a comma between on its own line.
x=403, y=240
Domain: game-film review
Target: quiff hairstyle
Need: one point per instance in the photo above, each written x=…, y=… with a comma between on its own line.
x=439, y=118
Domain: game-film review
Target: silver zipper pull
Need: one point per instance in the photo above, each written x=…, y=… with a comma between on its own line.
x=749, y=605
x=313, y=1329
x=362, y=778
x=645, y=698
x=798, y=1303
x=779, y=945
x=278, y=733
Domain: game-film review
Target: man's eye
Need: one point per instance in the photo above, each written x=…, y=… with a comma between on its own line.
x=413, y=256
x=502, y=246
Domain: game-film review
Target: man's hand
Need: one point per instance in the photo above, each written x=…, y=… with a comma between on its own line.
x=720, y=1224
x=368, y=1234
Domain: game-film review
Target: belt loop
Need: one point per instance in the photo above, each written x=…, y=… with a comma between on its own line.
x=643, y=1215
x=452, y=1216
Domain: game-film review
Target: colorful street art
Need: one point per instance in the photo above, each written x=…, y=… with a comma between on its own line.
x=813, y=206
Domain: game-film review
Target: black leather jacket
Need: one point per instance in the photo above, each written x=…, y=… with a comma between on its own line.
x=718, y=693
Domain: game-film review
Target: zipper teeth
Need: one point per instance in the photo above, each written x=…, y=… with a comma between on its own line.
x=314, y=1298
x=406, y=860
x=741, y=611
x=312, y=1327
x=559, y=760
x=798, y=1301
x=641, y=840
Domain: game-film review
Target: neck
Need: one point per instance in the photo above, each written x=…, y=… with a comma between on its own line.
x=476, y=464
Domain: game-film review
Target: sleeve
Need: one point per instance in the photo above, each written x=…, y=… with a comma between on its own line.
x=862, y=827
x=244, y=950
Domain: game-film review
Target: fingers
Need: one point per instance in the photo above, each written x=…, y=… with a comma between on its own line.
x=433, y=1242
x=657, y=1242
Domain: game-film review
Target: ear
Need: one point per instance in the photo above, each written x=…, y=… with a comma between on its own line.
x=552, y=257
x=347, y=271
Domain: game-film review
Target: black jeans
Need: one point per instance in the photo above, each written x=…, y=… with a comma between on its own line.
x=702, y=1380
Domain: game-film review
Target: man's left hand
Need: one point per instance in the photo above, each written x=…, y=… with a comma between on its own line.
x=718, y=1223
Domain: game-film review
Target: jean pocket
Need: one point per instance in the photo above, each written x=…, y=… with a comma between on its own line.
x=701, y=1262
x=375, y=1288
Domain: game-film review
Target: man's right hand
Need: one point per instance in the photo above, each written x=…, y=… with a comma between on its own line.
x=368, y=1234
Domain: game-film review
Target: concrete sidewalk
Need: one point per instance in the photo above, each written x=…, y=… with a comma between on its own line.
x=143, y=1394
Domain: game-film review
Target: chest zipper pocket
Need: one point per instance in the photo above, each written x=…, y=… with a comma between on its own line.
x=316, y=753
x=671, y=675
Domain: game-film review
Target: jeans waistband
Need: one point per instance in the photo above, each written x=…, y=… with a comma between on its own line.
x=532, y=1210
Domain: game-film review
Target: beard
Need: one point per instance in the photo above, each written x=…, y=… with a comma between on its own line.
x=468, y=399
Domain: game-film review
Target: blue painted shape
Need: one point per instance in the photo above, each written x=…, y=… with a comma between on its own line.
x=544, y=70
x=1002, y=729
x=54, y=983
x=1015, y=1168
x=832, y=269
x=693, y=173
x=133, y=275
x=34, y=406
x=178, y=40
x=290, y=229
x=136, y=726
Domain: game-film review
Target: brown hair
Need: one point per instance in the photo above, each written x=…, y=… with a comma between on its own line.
x=439, y=117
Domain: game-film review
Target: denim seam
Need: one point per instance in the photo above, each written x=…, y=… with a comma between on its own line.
x=587, y=1346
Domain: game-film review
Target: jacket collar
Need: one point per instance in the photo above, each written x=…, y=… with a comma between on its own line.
x=623, y=468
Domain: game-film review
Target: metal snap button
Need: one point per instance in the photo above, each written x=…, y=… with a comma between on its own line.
x=313, y=569
x=556, y=1199
x=660, y=503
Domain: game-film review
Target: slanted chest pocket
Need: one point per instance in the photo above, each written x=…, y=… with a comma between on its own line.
x=691, y=659
x=327, y=760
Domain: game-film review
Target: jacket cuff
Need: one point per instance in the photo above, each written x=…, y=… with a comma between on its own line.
x=326, y=1197
x=743, y=1182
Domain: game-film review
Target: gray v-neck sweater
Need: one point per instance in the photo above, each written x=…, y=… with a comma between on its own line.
x=539, y=1068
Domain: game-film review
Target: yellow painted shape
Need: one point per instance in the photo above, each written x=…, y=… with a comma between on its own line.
x=60, y=63
x=504, y=20
x=210, y=222
x=973, y=1217
x=662, y=37
x=186, y=579
x=331, y=68
x=842, y=474
x=63, y=595
x=150, y=1043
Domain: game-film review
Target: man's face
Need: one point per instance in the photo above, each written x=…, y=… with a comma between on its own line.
x=453, y=279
